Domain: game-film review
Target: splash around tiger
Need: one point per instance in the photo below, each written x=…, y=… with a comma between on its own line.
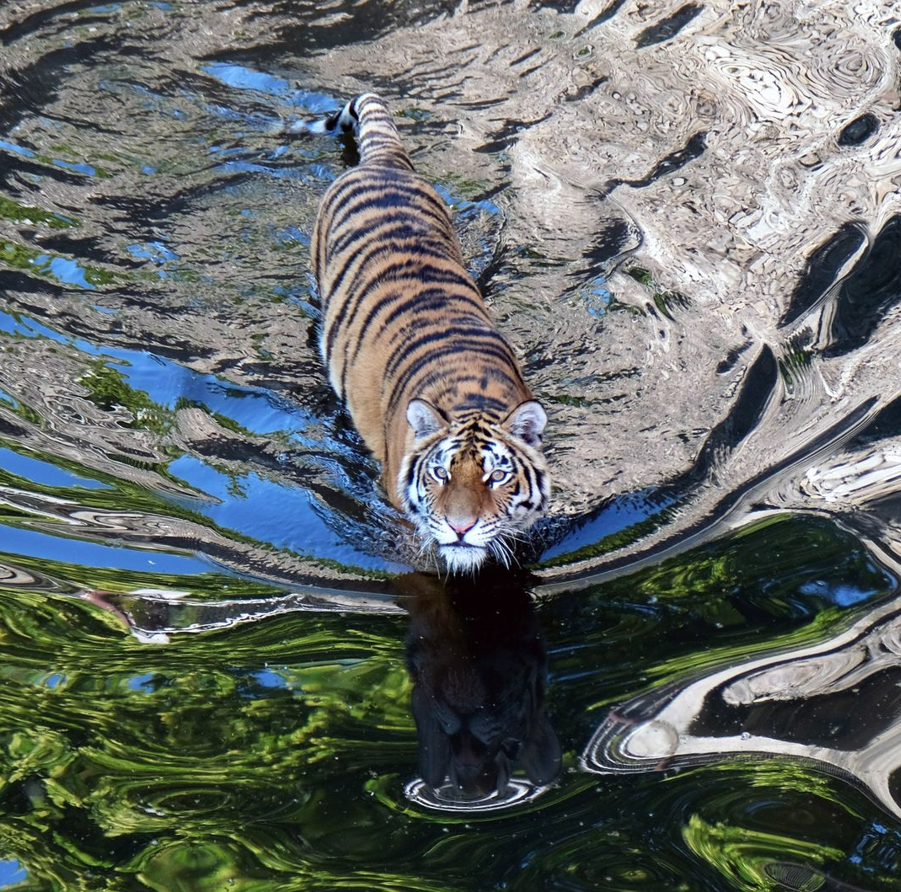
x=432, y=386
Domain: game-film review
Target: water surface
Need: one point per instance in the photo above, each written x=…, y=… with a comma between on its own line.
x=216, y=636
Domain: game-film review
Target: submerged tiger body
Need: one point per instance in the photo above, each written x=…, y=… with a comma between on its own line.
x=432, y=386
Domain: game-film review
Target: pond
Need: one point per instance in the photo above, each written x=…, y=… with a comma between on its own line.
x=223, y=665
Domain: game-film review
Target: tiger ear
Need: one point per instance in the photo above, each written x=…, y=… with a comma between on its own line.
x=424, y=418
x=527, y=422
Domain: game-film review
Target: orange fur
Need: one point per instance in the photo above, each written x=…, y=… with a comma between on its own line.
x=413, y=351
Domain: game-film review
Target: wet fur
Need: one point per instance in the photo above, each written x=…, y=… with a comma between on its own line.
x=432, y=386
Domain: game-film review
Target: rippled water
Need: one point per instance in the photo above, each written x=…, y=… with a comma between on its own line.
x=221, y=667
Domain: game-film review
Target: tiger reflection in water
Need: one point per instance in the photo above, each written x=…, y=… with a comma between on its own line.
x=479, y=666
x=474, y=652
x=432, y=386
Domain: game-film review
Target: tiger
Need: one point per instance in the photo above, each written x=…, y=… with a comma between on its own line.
x=431, y=385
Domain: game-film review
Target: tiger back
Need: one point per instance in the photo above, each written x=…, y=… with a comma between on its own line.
x=432, y=386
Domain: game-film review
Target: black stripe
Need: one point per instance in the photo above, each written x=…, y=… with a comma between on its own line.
x=376, y=180
x=383, y=138
x=367, y=251
x=363, y=180
x=356, y=184
x=425, y=300
x=446, y=298
x=430, y=273
x=462, y=331
x=353, y=300
x=378, y=143
x=460, y=381
x=349, y=360
x=347, y=182
x=425, y=273
x=388, y=199
x=384, y=160
x=403, y=220
x=431, y=299
x=539, y=483
x=393, y=195
x=373, y=108
x=432, y=356
x=378, y=242
x=375, y=149
x=480, y=403
x=411, y=473
x=499, y=374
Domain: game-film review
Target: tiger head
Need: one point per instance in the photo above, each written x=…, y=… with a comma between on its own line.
x=471, y=485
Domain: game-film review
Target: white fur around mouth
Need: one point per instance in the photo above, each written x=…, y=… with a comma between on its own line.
x=462, y=558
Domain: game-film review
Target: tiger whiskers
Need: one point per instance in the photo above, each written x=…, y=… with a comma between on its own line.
x=502, y=551
x=427, y=549
x=465, y=558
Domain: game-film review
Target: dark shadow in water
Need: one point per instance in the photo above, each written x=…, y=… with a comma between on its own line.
x=353, y=22
x=858, y=130
x=474, y=650
x=668, y=28
x=479, y=667
x=692, y=149
x=871, y=290
x=611, y=10
x=886, y=424
x=822, y=269
x=615, y=238
x=758, y=388
x=566, y=7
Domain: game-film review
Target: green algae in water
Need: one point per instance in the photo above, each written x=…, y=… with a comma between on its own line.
x=272, y=755
x=19, y=213
x=67, y=271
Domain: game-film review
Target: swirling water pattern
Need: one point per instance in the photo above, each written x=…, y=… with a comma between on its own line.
x=686, y=217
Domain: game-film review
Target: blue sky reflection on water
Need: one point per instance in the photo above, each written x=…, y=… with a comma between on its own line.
x=18, y=150
x=164, y=381
x=155, y=251
x=11, y=873
x=622, y=513
x=44, y=546
x=843, y=595
x=142, y=682
x=76, y=167
x=65, y=270
x=243, y=78
x=43, y=472
x=280, y=515
x=283, y=516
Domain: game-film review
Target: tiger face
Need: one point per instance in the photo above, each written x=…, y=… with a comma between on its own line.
x=472, y=485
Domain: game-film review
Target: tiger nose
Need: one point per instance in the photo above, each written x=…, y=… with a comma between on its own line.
x=461, y=528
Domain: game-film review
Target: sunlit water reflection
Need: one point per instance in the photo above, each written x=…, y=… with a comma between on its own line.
x=686, y=218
